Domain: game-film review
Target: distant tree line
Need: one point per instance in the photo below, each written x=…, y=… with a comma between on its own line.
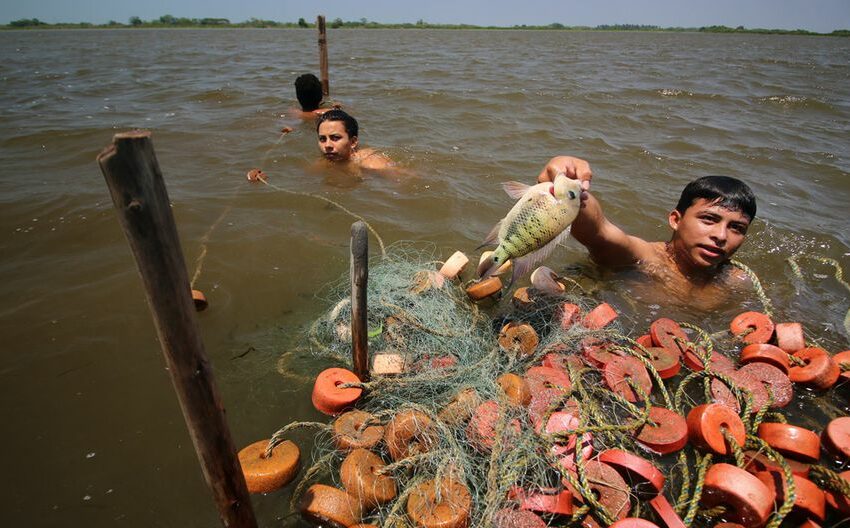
x=182, y=22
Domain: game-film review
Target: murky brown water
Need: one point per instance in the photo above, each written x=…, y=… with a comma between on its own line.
x=92, y=431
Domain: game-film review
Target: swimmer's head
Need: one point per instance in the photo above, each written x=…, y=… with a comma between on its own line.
x=308, y=90
x=725, y=191
x=335, y=114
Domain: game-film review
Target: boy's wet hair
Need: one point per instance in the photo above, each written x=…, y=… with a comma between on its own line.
x=308, y=90
x=725, y=191
x=336, y=114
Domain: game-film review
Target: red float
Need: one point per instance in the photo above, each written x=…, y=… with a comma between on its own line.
x=646, y=480
x=597, y=352
x=668, y=516
x=621, y=371
x=328, y=395
x=481, y=430
x=757, y=326
x=609, y=488
x=668, y=334
x=665, y=361
x=599, y=317
x=763, y=353
x=706, y=424
x=645, y=341
x=837, y=501
x=548, y=501
x=789, y=337
x=774, y=380
x=819, y=371
x=669, y=434
x=809, y=500
x=633, y=522
x=836, y=437
x=792, y=441
x=750, y=502
x=508, y=518
x=568, y=315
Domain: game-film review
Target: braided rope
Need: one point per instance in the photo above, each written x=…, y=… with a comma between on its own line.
x=693, y=505
x=765, y=300
x=754, y=442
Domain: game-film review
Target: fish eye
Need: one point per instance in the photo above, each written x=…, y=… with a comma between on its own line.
x=572, y=195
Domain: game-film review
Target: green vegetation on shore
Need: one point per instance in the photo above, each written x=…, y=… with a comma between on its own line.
x=168, y=21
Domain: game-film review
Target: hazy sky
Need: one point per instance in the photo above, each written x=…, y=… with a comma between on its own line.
x=813, y=15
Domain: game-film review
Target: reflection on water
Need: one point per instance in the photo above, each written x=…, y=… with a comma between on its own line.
x=92, y=422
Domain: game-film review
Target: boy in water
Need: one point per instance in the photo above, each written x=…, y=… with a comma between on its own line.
x=337, y=133
x=709, y=224
x=308, y=91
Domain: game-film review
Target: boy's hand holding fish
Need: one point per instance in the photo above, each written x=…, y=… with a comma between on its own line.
x=574, y=168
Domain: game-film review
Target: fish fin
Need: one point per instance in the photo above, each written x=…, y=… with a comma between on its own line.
x=529, y=261
x=487, y=267
x=492, y=236
x=515, y=189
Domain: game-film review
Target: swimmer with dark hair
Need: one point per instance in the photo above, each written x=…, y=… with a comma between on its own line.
x=339, y=143
x=308, y=91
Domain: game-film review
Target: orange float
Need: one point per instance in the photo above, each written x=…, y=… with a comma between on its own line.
x=837, y=501
x=667, y=333
x=819, y=371
x=757, y=461
x=484, y=288
x=836, y=437
x=645, y=341
x=329, y=397
x=744, y=382
x=842, y=359
x=265, y=474
x=539, y=378
x=757, y=326
x=665, y=361
x=599, y=317
x=568, y=315
x=750, y=502
x=792, y=441
x=255, y=175
x=608, y=487
x=460, y=408
x=352, y=432
x=597, y=352
x=669, y=434
x=518, y=338
x=621, y=371
x=543, y=402
x=706, y=424
x=443, y=504
x=327, y=506
x=633, y=522
x=454, y=266
x=409, y=433
x=772, y=378
x=509, y=518
x=360, y=476
x=481, y=430
x=645, y=479
x=789, y=337
x=515, y=388
x=717, y=362
x=764, y=353
x=200, y=300
x=546, y=501
x=809, y=500
x=522, y=298
x=666, y=514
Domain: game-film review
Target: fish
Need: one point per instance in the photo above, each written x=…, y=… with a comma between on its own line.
x=538, y=222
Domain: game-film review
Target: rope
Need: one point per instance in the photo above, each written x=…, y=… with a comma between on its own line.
x=765, y=300
x=830, y=479
x=754, y=442
x=736, y=450
x=277, y=438
x=839, y=276
x=335, y=204
x=693, y=505
x=199, y=262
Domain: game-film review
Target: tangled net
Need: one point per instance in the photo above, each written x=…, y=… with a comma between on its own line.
x=475, y=427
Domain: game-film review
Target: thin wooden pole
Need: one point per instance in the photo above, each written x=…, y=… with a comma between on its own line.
x=359, y=280
x=141, y=201
x=323, y=55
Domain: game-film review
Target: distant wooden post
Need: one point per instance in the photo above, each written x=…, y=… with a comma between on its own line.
x=323, y=55
x=141, y=201
x=359, y=280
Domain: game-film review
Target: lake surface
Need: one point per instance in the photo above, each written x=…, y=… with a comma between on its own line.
x=93, y=435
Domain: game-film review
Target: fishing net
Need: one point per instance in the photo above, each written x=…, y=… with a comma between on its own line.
x=514, y=402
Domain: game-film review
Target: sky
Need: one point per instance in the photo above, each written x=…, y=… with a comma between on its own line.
x=813, y=15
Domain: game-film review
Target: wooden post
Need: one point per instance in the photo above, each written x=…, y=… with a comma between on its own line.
x=141, y=201
x=359, y=280
x=323, y=55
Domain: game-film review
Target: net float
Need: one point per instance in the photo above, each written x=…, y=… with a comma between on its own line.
x=706, y=424
x=539, y=378
x=357, y=430
x=484, y=288
x=608, y=487
x=545, y=501
x=748, y=500
x=327, y=506
x=510, y=518
x=255, y=175
x=836, y=437
x=200, y=300
x=443, y=504
x=718, y=362
x=621, y=371
x=515, y=388
x=264, y=474
x=518, y=338
x=669, y=434
x=645, y=341
x=460, y=408
x=842, y=359
x=409, y=433
x=721, y=393
x=523, y=298
x=755, y=461
x=665, y=361
x=646, y=480
x=774, y=380
x=597, y=352
x=568, y=315
x=667, y=333
x=809, y=500
x=633, y=522
x=792, y=441
x=481, y=430
x=329, y=395
x=666, y=514
x=454, y=265
x=838, y=501
x=789, y=337
x=819, y=369
x=764, y=353
x=387, y=364
x=599, y=317
x=752, y=327
x=360, y=475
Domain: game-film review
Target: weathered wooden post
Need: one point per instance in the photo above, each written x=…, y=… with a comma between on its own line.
x=323, y=55
x=141, y=201
x=359, y=280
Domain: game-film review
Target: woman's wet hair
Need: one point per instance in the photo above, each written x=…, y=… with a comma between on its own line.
x=308, y=90
x=350, y=124
x=725, y=191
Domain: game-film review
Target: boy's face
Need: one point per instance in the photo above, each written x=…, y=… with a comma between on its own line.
x=707, y=235
x=334, y=141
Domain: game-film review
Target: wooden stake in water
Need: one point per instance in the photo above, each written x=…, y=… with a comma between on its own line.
x=359, y=280
x=323, y=55
x=141, y=201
